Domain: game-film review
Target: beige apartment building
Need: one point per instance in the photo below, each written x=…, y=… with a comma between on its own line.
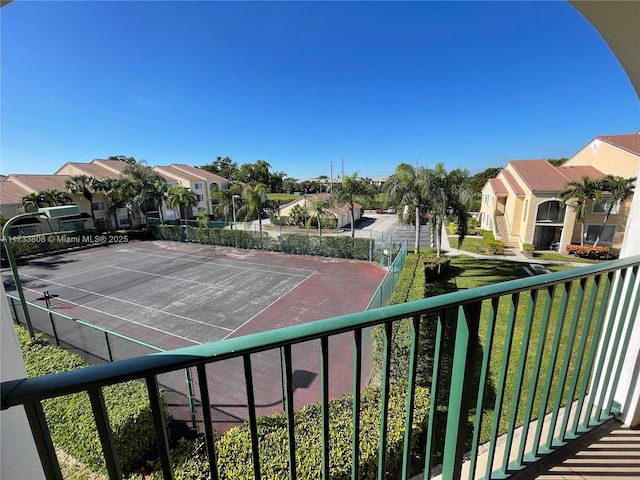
x=521, y=204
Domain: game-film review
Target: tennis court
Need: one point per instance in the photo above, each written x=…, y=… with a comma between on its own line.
x=172, y=295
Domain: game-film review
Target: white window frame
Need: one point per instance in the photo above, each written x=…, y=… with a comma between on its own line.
x=197, y=186
x=200, y=197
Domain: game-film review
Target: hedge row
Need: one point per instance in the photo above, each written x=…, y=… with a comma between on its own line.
x=234, y=452
x=494, y=247
x=326, y=246
x=70, y=417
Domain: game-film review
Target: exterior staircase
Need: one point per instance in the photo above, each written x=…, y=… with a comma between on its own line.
x=503, y=230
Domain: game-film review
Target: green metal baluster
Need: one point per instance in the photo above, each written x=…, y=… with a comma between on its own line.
x=384, y=401
x=190, y=398
x=288, y=376
x=526, y=335
x=562, y=311
x=625, y=343
x=411, y=390
x=104, y=431
x=497, y=412
x=484, y=375
x=357, y=378
x=604, y=339
x=544, y=328
x=434, y=393
x=584, y=336
x=209, y=437
x=613, y=310
x=251, y=404
x=593, y=338
x=564, y=371
x=42, y=439
x=324, y=381
x=462, y=384
x=162, y=440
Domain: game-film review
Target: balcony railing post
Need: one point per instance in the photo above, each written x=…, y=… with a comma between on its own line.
x=462, y=385
x=42, y=439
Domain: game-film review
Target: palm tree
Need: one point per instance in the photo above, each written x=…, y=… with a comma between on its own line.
x=181, y=198
x=139, y=192
x=582, y=191
x=32, y=201
x=111, y=189
x=255, y=199
x=407, y=187
x=55, y=197
x=320, y=208
x=223, y=200
x=619, y=189
x=351, y=191
x=447, y=196
x=82, y=184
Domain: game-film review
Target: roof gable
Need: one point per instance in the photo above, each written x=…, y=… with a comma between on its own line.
x=542, y=176
x=37, y=183
x=629, y=143
x=12, y=192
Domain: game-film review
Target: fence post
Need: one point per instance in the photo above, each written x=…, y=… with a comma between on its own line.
x=53, y=327
x=192, y=406
x=106, y=338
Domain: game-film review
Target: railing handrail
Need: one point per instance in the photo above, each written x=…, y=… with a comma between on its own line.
x=21, y=391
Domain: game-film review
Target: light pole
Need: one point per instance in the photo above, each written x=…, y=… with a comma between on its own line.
x=233, y=207
x=51, y=212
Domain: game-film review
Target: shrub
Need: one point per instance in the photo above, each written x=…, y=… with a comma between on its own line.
x=70, y=417
x=596, y=253
x=494, y=247
x=488, y=235
x=234, y=447
x=528, y=249
x=614, y=253
x=435, y=267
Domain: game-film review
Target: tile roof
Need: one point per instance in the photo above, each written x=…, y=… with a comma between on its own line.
x=37, y=183
x=629, y=143
x=117, y=165
x=92, y=169
x=541, y=176
x=515, y=186
x=11, y=192
x=174, y=172
x=498, y=187
x=198, y=172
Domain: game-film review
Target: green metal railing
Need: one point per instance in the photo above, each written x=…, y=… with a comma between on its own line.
x=504, y=355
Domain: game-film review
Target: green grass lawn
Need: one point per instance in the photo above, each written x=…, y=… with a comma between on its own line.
x=469, y=244
x=282, y=196
x=558, y=257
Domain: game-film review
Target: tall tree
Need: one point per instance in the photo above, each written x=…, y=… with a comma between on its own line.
x=582, y=192
x=407, y=188
x=447, y=197
x=111, y=188
x=137, y=186
x=223, y=166
x=320, y=206
x=351, y=191
x=181, y=198
x=55, y=197
x=223, y=201
x=82, y=184
x=32, y=201
x=255, y=199
x=619, y=189
x=123, y=158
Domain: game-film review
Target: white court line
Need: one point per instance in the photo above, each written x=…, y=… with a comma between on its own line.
x=131, y=303
x=235, y=263
x=280, y=297
x=212, y=285
x=122, y=318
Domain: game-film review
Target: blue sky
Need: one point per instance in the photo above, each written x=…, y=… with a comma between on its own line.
x=301, y=84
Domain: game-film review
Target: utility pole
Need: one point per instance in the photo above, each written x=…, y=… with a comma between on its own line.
x=343, y=169
x=331, y=170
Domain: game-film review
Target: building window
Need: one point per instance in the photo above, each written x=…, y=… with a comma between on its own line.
x=97, y=206
x=200, y=197
x=603, y=207
x=197, y=186
x=608, y=234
